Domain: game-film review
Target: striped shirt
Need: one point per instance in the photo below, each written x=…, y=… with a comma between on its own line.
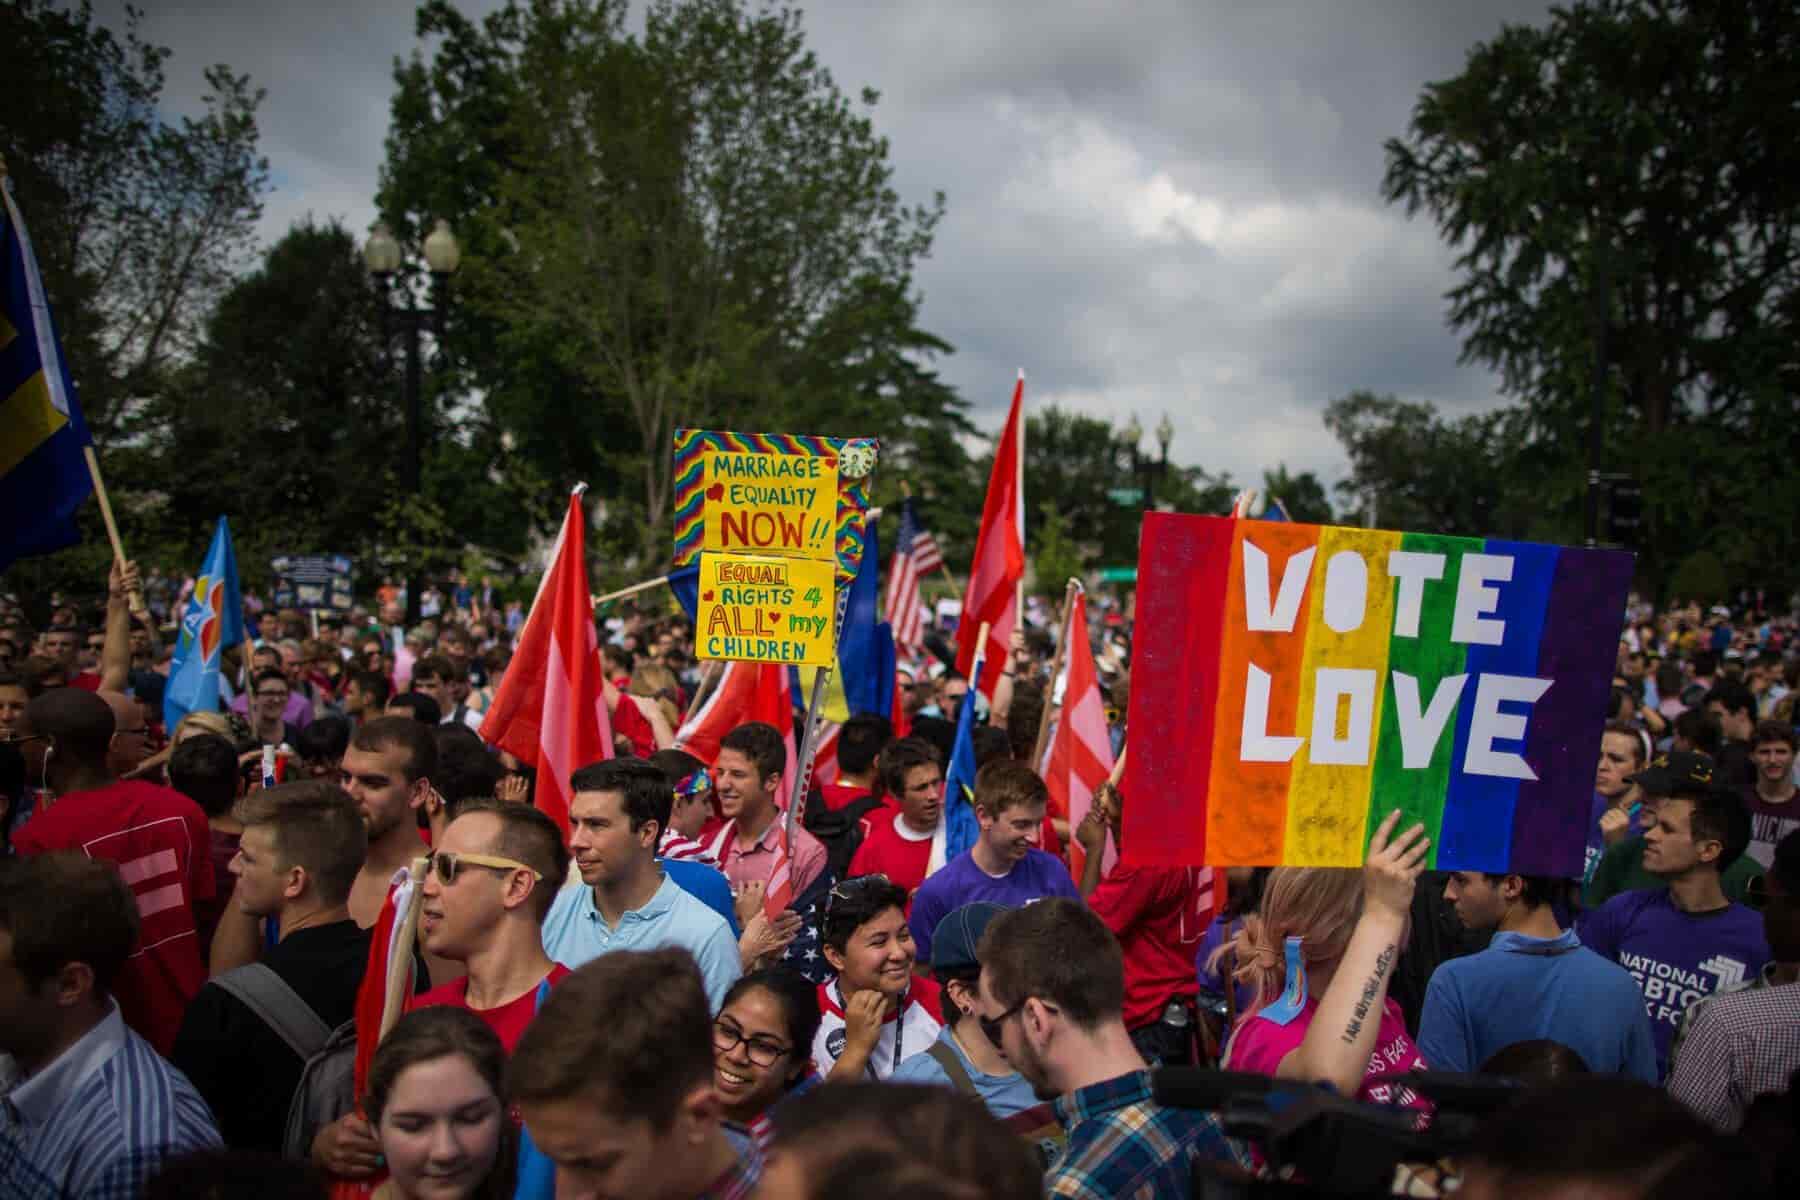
x=97, y=1122
x=675, y=846
x=738, y=1182
x=1741, y=1045
x=1124, y=1144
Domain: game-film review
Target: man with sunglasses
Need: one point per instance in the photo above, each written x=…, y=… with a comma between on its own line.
x=1735, y=1046
x=1052, y=997
x=494, y=875
x=631, y=901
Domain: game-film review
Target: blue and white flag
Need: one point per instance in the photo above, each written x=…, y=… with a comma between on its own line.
x=213, y=620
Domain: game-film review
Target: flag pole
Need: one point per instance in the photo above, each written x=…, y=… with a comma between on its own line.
x=1019, y=589
x=815, y=710
x=633, y=590
x=1056, y=666
x=112, y=526
x=400, y=962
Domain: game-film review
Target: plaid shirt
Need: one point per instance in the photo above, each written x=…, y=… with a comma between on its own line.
x=1124, y=1144
x=740, y=1179
x=1742, y=1045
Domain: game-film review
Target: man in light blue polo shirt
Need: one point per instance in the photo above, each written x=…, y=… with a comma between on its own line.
x=1534, y=982
x=629, y=902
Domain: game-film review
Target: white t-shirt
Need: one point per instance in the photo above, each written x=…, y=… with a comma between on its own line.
x=903, y=1034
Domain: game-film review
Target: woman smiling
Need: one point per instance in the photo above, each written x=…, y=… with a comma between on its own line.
x=762, y=1048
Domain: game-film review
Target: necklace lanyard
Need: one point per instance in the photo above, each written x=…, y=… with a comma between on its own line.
x=899, y=1034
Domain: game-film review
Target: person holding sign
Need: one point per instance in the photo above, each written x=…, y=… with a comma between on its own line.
x=1320, y=954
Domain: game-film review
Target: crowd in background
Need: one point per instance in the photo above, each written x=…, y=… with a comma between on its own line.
x=184, y=934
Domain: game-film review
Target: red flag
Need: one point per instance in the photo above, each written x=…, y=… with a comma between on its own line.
x=746, y=692
x=1081, y=754
x=992, y=595
x=549, y=711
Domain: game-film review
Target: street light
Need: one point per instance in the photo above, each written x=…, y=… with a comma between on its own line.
x=383, y=255
x=1165, y=433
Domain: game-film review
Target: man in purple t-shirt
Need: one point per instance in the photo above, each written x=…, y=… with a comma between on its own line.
x=1686, y=940
x=1003, y=866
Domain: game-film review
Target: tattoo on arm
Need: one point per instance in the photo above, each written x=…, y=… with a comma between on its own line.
x=1366, y=1001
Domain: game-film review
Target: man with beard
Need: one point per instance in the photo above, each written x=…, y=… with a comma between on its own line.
x=1052, y=999
x=387, y=771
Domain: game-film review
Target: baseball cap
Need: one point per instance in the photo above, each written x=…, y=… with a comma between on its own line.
x=953, y=942
x=1678, y=771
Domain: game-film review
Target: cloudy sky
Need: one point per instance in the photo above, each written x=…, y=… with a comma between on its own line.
x=1153, y=205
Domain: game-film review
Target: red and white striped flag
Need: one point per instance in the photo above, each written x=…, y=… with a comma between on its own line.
x=916, y=555
x=549, y=711
x=1081, y=754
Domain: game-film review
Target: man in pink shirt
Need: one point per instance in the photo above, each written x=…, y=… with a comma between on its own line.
x=749, y=777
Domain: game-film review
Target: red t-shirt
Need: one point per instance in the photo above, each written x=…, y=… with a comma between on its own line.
x=841, y=795
x=1157, y=915
x=507, y=1021
x=891, y=848
x=87, y=681
x=160, y=841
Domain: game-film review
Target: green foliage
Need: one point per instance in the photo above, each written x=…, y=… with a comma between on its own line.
x=1302, y=495
x=1057, y=557
x=1635, y=163
x=138, y=223
x=1701, y=578
x=687, y=226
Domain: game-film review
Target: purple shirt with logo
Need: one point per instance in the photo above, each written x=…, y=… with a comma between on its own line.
x=1676, y=957
x=961, y=882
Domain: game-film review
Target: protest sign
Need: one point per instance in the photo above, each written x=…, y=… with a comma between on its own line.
x=794, y=495
x=313, y=581
x=1293, y=684
x=759, y=608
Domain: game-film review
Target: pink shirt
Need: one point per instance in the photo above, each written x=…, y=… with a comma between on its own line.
x=756, y=863
x=1260, y=1044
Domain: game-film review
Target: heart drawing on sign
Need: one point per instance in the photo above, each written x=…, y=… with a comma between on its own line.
x=708, y=597
x=715, y=492
x=775, y=618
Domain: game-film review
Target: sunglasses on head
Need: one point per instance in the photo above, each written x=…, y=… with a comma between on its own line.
x=849, y=888
x=448, y=864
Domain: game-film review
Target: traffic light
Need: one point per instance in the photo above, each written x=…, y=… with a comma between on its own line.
x=1624, y=510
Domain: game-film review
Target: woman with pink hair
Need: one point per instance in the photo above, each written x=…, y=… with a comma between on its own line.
x=1318, y=955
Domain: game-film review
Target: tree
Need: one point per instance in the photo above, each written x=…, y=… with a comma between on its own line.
x=1632, y=167
x=139, y=224
x=691, y=226
x=1302, y=495
x=1056, y=557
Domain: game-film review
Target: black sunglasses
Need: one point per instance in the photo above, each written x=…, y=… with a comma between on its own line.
x=993, y=1028
x=851, y=886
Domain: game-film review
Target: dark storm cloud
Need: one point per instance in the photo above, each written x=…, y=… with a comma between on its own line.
x=1162, y=205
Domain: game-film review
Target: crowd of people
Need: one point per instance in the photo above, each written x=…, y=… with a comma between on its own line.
x=188, y=917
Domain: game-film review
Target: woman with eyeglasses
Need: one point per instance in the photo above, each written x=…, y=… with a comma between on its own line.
x=875, y=1012
x=436, y=1102
x=762, y=1049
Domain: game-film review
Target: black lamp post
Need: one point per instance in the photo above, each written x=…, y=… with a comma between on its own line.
x=382, y=254
x=1148, y=472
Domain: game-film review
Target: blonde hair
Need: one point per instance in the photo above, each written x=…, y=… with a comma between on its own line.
x=653, y=681
x=201, y=721
x=1319, y=905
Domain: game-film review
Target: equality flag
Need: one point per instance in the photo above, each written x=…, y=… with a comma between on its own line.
x=549, y=711
x=212, y=620
x=916, y=554
x=958, y=828
x=1081, y=754
x=43, y=439
x=992, y=596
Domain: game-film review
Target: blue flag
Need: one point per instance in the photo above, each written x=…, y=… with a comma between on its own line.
x=960, y=826
x=43, y=471
x=213, y=620
x=866, y=643
x=685, y=583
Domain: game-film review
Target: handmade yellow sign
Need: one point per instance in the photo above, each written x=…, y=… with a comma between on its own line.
x=768, y=503
x=760, y=608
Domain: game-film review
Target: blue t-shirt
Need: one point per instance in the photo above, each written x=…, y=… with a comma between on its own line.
x=1523, y=988
x=962, y=882
x=1676, y=957
x=1004, y=1094
x=704, y=883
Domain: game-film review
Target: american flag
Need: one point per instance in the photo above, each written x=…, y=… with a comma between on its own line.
x=916, y=554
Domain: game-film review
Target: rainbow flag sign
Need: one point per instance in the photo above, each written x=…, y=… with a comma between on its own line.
x=1293, y=684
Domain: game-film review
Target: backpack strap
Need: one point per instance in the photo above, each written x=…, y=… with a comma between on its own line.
x=278, y=1006
x=946, y=1058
